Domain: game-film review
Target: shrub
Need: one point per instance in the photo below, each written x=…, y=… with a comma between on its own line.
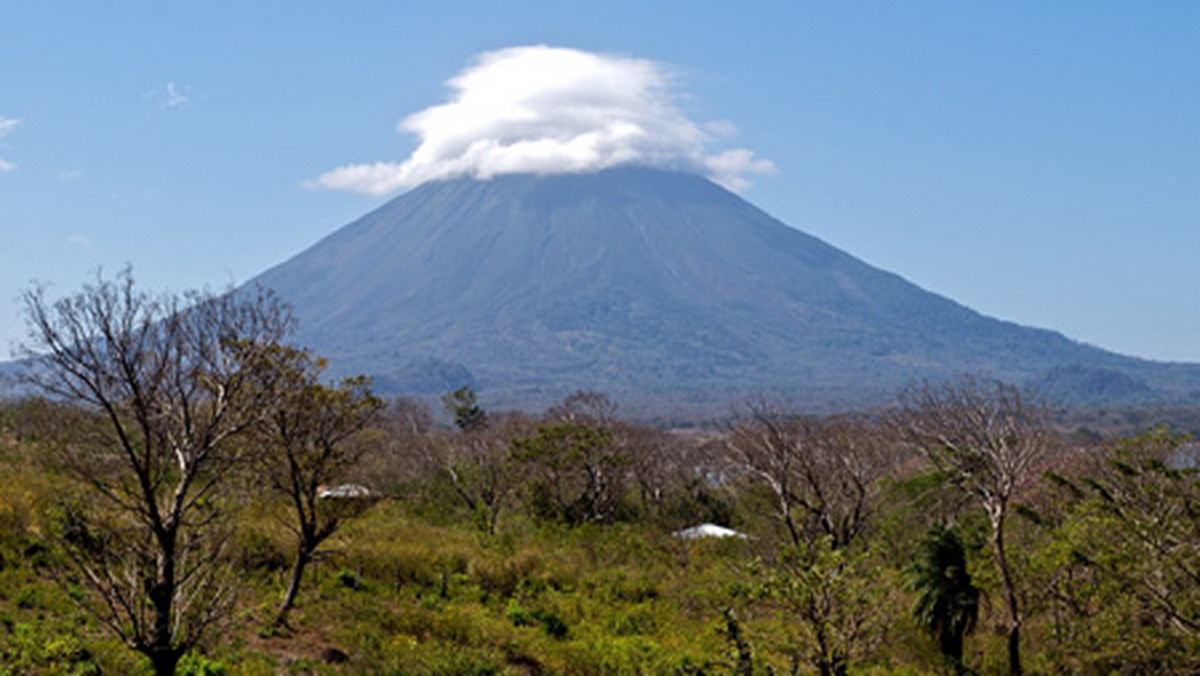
x=347, y=578
x=198, y=665
x=553, y=625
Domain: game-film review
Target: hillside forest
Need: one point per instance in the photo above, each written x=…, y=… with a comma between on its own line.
x=183, y=491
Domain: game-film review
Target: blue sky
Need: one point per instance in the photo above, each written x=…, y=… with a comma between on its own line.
x=1039, y=162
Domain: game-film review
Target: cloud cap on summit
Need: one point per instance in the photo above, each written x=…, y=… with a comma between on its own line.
x=552, y=110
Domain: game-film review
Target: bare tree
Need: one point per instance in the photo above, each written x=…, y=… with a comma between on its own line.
x=166, y=379
x=307, y=440
x=660, y=467
x=823, y=472
x=476, y=462
x=408, y=417
x=401, y=457
x=475, y=459
x=991, y=440
x=585, y=406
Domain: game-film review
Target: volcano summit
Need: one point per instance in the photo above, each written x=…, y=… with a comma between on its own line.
x=649, y=285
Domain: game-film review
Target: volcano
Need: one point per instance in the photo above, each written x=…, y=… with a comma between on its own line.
x=651, y=286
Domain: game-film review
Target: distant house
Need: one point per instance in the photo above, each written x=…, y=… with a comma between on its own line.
x=344, y=492
x=707, y=530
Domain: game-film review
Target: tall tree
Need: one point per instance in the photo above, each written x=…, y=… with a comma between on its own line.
x=307, y=441
x=167, y=381
x=990, y=439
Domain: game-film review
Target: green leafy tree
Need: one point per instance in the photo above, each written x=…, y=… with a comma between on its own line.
x=829, y=596
x=1123, y=565
x=947, y=600
x=462, y=404
x=575, y=471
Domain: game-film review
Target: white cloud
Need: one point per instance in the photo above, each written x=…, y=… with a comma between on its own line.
x=79, y=240
x=721, y=127
x=730, y=167
x=169, y=97
x=543, y=109
x=175, y=98
x=7, y=124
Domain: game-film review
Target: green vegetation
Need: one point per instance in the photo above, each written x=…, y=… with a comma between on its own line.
x=1103, y=557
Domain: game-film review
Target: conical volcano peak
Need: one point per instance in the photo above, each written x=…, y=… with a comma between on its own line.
x=645, y=283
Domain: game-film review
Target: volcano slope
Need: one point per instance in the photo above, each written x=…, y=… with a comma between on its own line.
x=652, y=286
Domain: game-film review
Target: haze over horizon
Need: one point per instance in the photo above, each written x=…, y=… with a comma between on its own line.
x=1037, y=164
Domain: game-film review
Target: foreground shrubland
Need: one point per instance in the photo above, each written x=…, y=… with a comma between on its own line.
x=1102, y=548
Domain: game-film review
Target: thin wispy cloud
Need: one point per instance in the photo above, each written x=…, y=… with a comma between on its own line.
x=80, y=241
x=175, y=98
x=541, y=109
x=169, y=97
x=7, y=124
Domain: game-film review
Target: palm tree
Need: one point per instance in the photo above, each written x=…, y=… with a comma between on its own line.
x=947, y=603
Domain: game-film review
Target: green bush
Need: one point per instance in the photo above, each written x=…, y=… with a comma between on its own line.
x=198, y=665
x=347, y=578
x=38, y=647
x=520, y=616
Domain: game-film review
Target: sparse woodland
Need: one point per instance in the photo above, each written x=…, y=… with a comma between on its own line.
x=184, y=497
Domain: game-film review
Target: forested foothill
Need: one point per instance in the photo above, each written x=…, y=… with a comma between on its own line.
x=183, y=491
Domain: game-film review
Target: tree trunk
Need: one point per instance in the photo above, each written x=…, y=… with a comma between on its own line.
x=835, y=666
x=785, y=508
x=1010, y=593
x=952, y=649
x=164, y=661
x=1014, y=649
x=293, y=588
x=160, y=648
